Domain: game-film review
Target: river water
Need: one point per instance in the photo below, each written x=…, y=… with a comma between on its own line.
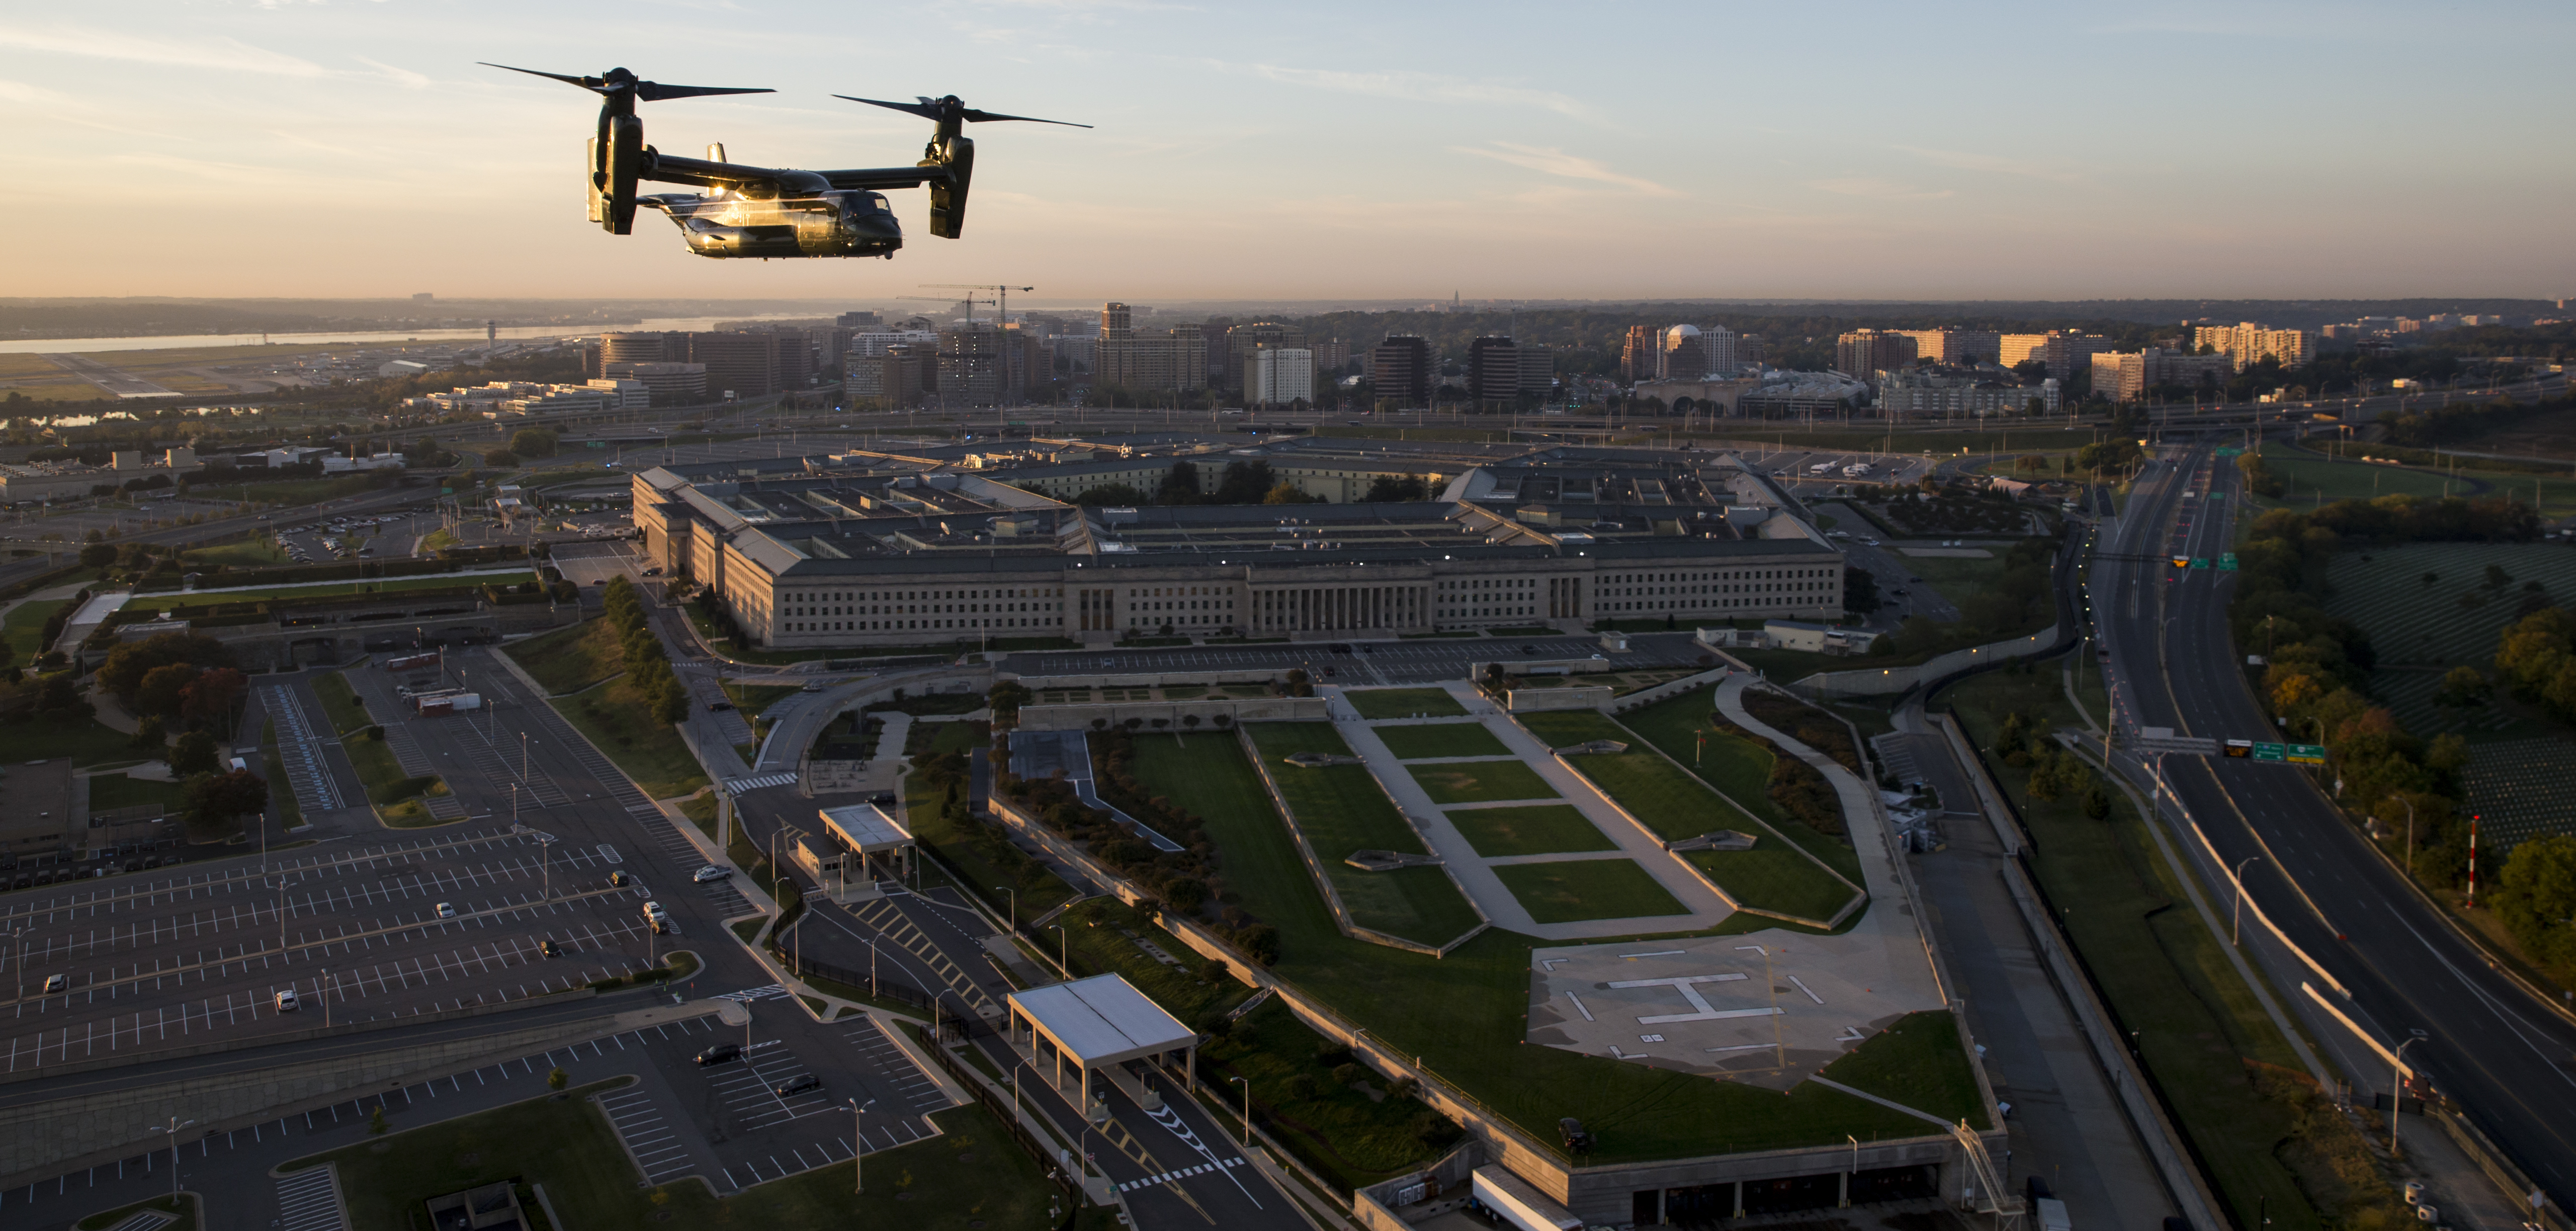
x=50, y=346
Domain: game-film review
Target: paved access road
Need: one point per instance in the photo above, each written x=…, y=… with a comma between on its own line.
x=2485, y=1041
x=1423, y=661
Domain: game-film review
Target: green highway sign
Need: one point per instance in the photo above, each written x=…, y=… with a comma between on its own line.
x=2230, y=451
x=2216, y=497
x=2271, y=752
x=2200, y=562
x=2307, y=754
x=2227, y=562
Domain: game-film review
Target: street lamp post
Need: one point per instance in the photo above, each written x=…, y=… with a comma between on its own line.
x=858, y=1165
x=1247, y=1112
x=2236, y=926
x=323, y=985
x=1063, y=951
x=2397, y=1089
x=175, y=1125
x=1015, y=905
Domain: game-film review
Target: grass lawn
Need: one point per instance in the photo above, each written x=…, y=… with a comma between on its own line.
x=1446, y=739
x=978, y=852
x=1916, y=1062
x=1339, y=807
x=86, y=741
x=1404, y=703
x=24, y=630
x=2307, y=475
x=2202, y=1034
x=282, y=806
x=1481, y=782
x=971, y=1175
x=751, y=699
x=1739, y=768
x=340, y=703
x=1462, y=1014
x=258, y=552
x=1097, y=938
x=1543, y=829
x=1586, y=889
x=568, y=660
x=385, y=780
x=340, y=589
x=1772, y=876
x=108, y=792
x=1346, y=1136
x=617, y=721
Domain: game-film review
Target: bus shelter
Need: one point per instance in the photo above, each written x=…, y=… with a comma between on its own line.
x=1099, y=1022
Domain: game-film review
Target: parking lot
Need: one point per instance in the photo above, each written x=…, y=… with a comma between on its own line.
x=354, y=933
x=1367, y=662
x=381, y=536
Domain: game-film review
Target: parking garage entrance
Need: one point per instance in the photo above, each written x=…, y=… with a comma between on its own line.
x=1709, y=1205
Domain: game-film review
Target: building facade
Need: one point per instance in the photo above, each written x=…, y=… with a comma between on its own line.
x=1401, y=372
x=1173, y=360
x=2125, y=377
x=1275, y=376
x=2248, y=343
x=1864, y=352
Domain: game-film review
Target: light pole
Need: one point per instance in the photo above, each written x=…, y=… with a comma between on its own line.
x=1015, y=905
x=1063, y=952
x=1247, y=1112
x=545, y=852
x=2236, y=926
x=858, y=1167
x=2410, y=835
x=2397, y=1089
x=175, y=1125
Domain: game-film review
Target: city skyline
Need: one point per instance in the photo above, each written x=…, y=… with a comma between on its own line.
x=1739, y=153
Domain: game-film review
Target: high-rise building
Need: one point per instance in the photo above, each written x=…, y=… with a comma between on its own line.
x=1681, y=354
x=1176, y=360
x=974, y=369
x=669, y=384
x=1243, y=341
x=1959, y=347
x=2070, y=352
x=1864, y=353
x=1537, y=366
x=739, y=365
x=796, y=360
x=1331, y=355
x=1717, y=346
x=2248, y=343
x=1493, y=371
x=642, y=348
x=1637, y=358
x=859, y=320
x=1278, y=376
x=2015, y=349
x=1751, y=351
x=1220, y=355
x=2124, y=377
x=1401, y=371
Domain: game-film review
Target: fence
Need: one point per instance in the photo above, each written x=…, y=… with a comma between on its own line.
x=999, y=1104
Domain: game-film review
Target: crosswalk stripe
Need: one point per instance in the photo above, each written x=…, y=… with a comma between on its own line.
x=737, y=786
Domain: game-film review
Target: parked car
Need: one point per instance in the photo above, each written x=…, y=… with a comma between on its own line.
x=446, y=910
x=799, y=1084
x=617, y=878
x=719, y=1053
x=719, y=705
x=57, y=984
x=286, y=1001
x=657, y=918
x=710, y=873
x=546, y=948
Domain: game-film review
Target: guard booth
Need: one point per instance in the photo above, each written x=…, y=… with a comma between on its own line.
x=869, y=835
x=1099, y=1023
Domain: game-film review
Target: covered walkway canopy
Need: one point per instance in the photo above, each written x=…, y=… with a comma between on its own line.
x=866, y=830
x=1099, y=1022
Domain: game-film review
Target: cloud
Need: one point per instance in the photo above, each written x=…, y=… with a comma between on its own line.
x=401, y=76
x=1554, y=161
x=1870, y=186
x=222, y=53
x=1995, y=163
x=1422, y=87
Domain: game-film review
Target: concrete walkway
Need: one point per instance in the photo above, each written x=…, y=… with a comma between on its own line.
x=1476, y=873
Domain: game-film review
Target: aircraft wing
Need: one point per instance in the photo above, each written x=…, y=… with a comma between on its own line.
x=731, y=175
x=886, y=177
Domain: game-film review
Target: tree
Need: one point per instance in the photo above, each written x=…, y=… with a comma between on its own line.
x=557, y=1079
x=2536, y=897
x=2097, y=803
x=211, y=698
x=500, y=457
x=534, y=442
x=1860, y=590
x=1112, y=495
x=158, y=691
x=1180, y=485
x=1287, y=493
x=1006, y=698
x=216, y=799
x=128, y=663
x=376, y=1125
x=2463, y=688
x=150, y=736
x=98, y=555
x=193, y=754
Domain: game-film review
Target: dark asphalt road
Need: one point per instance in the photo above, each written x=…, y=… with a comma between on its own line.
x=2485, y=1041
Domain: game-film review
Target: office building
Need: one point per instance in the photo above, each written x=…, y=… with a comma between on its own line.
x=1401, y=371
x=1493, y=372
x=1174, y=360
x=2125, y=377
x=1637, y=356
x=974, y=369
x=1958, y=347
x=1681, y=354
x=1332, y=355
x=666, y=384
x=2015, y=349
x=2249, y=343
x=643, y=348
x=1244, y=341
x=739, y=365
x=1949, y=393
x=1863, y=353
x=2068, y=353
x=1278, y=376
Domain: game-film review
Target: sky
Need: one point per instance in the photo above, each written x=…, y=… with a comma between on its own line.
x=1322, y=151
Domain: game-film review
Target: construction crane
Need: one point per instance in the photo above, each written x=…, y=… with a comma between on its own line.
x=1001, y=306
x=968, y=302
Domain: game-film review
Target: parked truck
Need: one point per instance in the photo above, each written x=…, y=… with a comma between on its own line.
x=433, y=704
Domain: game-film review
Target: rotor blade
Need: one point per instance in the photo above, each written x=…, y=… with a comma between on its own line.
x=926, y=109
x=981, y=116
x=654, y=91
x=587, y=83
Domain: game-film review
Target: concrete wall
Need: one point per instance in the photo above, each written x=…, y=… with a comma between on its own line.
x=1668, y=690
x=1528, y=700
x=1116, y=713
x=1164, y=679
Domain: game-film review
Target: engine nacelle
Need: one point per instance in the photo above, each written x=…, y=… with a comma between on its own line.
x=590, y=181
x=948, y=200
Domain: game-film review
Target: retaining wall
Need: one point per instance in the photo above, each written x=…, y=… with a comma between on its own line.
x=1889, y=681
x=1324, y=883
x=1172, y=713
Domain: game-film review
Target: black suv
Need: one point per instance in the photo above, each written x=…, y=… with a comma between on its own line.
x=720, y=1053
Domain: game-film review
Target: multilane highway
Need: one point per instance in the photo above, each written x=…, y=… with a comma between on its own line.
x=2483, y=1039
